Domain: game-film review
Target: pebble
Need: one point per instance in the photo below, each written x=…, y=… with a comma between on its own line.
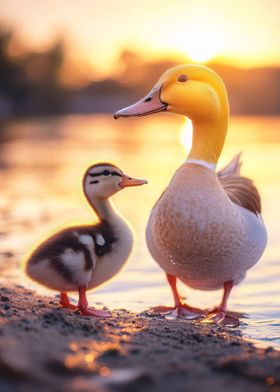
x=269, y=349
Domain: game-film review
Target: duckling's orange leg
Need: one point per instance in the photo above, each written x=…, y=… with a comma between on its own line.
x=85, y=310
x=65, y=303
x=219, y=315
x=180, y=309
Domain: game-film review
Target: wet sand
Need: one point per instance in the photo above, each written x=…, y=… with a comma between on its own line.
x=46, y=348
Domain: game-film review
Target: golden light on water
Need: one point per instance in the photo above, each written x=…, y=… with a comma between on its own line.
x=186, y=135
x=56, y=200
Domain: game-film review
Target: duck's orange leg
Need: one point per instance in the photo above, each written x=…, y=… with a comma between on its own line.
x=65, y=303
x=219, y=315
x=180, y=309
x=85, y=310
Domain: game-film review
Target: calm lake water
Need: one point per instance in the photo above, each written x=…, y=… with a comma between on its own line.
x=41, y=165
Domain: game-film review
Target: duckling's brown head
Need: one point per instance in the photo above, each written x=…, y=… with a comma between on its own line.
x=191, y=90
x=103, y=180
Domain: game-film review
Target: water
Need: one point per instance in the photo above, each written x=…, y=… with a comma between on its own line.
x=41, y=165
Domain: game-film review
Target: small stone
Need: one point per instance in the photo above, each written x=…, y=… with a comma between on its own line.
x=111, y=352
x=235, y=343
x=269, y=349
x=4, y=298
x=134, y=351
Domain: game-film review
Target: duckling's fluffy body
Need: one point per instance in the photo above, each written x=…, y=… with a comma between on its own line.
x=75, y=257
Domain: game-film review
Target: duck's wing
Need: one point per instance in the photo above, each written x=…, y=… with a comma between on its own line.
x=70, y=254
x=239, y=189
x=66, y=243
x=103, y=236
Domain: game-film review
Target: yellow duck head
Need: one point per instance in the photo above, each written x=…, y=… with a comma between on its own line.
x=196, y=92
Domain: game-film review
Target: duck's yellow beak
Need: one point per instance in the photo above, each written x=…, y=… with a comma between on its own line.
x=150, y=104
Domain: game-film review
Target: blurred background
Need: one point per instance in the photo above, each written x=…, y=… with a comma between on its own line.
x=90, y=57
x=67, y=65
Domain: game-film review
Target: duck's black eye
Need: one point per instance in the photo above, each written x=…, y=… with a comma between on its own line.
x=106, y=173
x=183, y=78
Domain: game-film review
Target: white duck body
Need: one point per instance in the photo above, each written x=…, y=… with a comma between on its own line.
x=205, y=229
x=196, y=233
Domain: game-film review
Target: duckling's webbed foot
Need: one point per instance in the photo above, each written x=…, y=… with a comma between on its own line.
x=65, y=303
x=85, y=310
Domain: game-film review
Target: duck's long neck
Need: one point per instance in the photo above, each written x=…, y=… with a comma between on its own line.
x=104, y=209
x=209, y=137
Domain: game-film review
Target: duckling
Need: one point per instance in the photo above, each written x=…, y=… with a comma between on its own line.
x=206, y=229
x=83, y=257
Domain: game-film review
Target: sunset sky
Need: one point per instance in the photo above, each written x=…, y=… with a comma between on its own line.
x=245, y=33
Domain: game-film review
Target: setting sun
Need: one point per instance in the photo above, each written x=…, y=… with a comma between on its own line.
x=201, y=40
x=203, y=48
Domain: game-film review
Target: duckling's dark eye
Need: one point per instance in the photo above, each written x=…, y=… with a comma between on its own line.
x=183, y=78
x=106, y=173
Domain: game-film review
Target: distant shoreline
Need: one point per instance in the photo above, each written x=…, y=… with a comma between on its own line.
x=46, y=348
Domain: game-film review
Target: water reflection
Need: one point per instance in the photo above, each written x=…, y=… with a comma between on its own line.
x=42, y=162
x=186, y=135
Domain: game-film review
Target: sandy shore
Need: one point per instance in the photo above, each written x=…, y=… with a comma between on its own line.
x=46, y=348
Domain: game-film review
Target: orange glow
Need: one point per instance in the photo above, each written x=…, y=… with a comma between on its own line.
x=104, y=371
x=270, y=381
x=186, y=135
x=201, y=40
x=241, y=33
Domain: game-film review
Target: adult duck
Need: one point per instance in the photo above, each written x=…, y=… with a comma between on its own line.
x=206, y=229
x=80, y=258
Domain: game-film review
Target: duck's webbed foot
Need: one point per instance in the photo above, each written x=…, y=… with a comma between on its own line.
x=85, y=310
x=65, y=303
x=219, y=315
x=180, y=310
x=221, y=318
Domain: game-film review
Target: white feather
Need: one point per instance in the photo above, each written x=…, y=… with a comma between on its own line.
x=100, y=240
x=87, y=240
x=200, y=162
x=75, y=262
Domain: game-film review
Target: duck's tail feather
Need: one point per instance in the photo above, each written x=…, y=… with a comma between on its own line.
x=232, y=168
x=240, y=190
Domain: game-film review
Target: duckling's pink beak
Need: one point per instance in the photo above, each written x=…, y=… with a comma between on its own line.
x=150, y=104
x=128, y=181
